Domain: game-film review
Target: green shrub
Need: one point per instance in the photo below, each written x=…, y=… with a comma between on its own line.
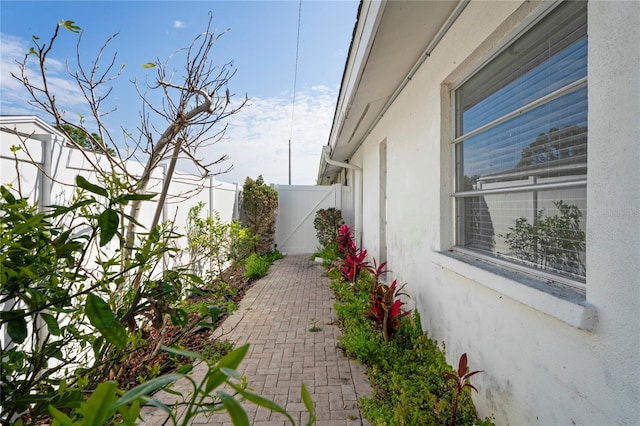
x=256, y=266
x=326, y=224
x=273, y=256
x=258, y=206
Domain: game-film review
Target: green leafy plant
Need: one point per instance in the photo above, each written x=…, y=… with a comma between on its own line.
x=86, y=286
x=314, y=327
x=326, y=223
x=461, y=380
x=258, y=206
x=406, y=372
x=212, y=244
x=108, y=404
x=256, y=266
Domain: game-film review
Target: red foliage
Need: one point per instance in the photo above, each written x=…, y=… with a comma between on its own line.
x=386, y=308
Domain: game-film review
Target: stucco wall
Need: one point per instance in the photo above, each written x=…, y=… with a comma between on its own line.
x=541, y=365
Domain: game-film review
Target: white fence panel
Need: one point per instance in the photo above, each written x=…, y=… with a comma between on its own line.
x=297, y=207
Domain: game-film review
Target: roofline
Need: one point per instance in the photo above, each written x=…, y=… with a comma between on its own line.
x=372, y=15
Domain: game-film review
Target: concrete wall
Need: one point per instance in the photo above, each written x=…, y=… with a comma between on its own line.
x=561, y=358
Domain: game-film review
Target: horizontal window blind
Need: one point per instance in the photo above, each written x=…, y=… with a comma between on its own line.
x=521, y=149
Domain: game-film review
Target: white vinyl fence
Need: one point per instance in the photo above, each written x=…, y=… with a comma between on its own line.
x=47, y=168
x=297, y=207
x=45, y=155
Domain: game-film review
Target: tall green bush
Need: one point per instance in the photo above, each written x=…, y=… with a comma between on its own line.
x=259, y=204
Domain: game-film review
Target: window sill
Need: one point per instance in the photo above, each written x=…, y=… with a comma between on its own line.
x=560, y=301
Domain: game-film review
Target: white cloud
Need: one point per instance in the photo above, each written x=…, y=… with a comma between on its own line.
x=179, y=24
x=14, y=97
x=257, y=139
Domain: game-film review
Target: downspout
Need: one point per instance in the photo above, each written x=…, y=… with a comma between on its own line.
x=357, y=186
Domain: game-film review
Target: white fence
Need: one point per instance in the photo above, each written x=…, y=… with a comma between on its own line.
x=297, y=209
x=45, y=154
x=47, y=168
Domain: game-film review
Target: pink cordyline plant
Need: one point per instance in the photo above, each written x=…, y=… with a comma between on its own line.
x=461, y=378
x=386, y=308
x=353, y=264
x=346, y=243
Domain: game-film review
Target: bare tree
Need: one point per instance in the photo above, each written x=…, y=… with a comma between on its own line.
x=195, y=102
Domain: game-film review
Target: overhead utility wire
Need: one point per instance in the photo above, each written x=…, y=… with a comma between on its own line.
x=295, y=83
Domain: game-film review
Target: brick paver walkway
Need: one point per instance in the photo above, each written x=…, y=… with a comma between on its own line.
x=275, y=317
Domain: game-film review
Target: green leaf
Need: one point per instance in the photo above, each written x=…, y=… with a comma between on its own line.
x=214, y=313
x=85, y=184
x=236, y=412
x=98, y=408
x=308, y=403
x=60, y=210
x=101, y=317
x=108, y=222
x=8, y=196
x=262, y=402
x=52, y=323
x=130, y=415
x=70, y=25
x=182, y=352
x=17, y=327
x=145, y=389
x=232, y=360
x=196, y=279
x=149, y=65
x=180, y=318
x=59, y=417
x=230, y=373
x=139, y=197
x=184, y=369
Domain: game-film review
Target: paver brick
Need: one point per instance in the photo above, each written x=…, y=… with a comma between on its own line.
x=274, y=317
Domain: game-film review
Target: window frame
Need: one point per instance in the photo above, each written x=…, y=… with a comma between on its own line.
x=576, y=181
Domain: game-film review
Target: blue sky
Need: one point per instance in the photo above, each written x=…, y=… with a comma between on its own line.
x=261, y=42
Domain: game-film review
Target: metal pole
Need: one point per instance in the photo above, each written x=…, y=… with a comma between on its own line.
x=289, y=161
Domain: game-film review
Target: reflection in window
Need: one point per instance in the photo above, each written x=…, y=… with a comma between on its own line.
x=521, y=149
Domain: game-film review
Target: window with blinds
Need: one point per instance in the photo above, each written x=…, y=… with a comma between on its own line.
x=521, y=149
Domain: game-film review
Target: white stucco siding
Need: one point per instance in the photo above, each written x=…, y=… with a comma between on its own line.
x=540, y=367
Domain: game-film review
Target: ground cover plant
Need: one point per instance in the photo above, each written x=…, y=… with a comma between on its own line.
x=408, y=371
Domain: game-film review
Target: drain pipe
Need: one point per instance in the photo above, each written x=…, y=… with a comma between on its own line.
x=357, y=186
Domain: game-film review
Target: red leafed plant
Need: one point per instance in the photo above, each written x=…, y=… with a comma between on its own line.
x=346, y=243
x=353, y=264
x=386, y=308
x=461, y=377
x=377, y=271
x=354, y=259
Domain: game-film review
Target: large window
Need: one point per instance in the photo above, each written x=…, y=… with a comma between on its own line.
x=521, y=150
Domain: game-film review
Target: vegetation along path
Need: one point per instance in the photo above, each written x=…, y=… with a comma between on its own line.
x=288, y=319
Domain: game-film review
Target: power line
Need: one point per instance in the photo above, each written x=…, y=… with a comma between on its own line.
x=295, y=83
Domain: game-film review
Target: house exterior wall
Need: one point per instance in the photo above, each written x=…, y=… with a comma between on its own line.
x=546, y=359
